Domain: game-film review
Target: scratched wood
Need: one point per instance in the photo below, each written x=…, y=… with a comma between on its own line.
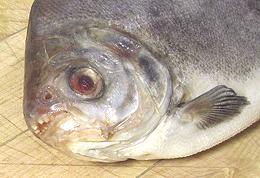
x=23, y=155
x=13, y=16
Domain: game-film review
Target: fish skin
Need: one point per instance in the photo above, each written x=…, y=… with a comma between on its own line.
x=208, y=43
x=204, y=31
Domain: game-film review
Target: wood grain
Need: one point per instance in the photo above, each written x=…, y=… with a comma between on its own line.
x=23, y=155
x=13, y=16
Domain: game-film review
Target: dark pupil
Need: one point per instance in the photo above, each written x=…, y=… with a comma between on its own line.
x=85, y=83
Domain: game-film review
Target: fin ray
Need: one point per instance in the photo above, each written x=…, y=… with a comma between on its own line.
x=215, y=106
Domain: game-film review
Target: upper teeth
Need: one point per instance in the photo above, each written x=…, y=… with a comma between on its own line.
x=43, y=119
x=34, y=127
x=46, y=119
x=37, y=128
x=37, y=131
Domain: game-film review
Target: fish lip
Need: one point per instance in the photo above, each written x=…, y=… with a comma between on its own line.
x=48, y=128
x=41, y=125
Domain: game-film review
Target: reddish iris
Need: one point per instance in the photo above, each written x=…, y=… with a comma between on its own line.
x=85, y=83
x=82, y=84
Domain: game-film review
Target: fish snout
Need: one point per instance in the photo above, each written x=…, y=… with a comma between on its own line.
x=47, y=96
x=61, y=128
x=47, y=105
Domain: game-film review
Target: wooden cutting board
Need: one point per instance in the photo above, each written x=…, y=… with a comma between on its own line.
x=23, y=155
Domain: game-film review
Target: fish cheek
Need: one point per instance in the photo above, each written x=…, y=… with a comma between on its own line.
x=148, y=67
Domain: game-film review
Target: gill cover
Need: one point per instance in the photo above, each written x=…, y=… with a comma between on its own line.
x=102, y=89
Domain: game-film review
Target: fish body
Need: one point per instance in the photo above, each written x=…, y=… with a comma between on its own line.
x=116, y=80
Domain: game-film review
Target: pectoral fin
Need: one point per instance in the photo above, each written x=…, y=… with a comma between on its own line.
x=213, y=107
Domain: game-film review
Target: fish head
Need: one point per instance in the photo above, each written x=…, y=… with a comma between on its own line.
x=93, y=86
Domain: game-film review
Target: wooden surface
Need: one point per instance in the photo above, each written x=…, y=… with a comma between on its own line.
x=22, y=155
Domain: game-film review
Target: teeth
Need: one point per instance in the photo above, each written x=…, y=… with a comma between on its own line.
x=46, y=119
x=37, y=131
x=34, y=127
x=43, y=123
x=40, y=121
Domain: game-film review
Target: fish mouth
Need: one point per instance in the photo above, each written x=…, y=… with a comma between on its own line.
x=64, y=127
x=43, y=123
x=66, y=131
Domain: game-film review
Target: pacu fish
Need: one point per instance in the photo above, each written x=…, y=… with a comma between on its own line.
x=124, y=79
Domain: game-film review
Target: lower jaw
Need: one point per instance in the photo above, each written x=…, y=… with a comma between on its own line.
x=93, y=151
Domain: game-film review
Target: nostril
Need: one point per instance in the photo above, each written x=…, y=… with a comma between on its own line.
x=47, y=95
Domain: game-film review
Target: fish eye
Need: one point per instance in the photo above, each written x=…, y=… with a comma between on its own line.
x=86, y=82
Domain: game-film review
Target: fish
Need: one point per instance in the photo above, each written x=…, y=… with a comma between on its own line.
x=109, y=81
